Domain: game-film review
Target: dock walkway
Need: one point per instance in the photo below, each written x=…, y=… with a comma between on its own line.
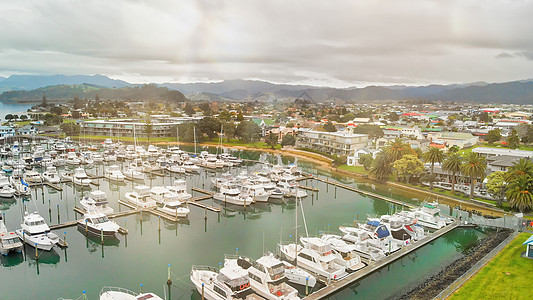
x=358, y=275
x=357, y=190
x=208, y=195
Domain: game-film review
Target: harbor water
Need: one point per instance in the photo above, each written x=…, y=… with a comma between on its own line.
x=143, y=256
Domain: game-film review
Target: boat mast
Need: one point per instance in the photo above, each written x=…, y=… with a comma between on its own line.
x=178, y=134
x=296, y=235
x=194, y=136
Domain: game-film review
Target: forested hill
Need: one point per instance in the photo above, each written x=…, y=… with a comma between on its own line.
x=89, y=91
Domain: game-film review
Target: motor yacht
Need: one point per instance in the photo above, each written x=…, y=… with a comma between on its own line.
x=267, y=276
x=345, y=255
x=179, y=187
x=190, y=167
x=115, y=293
x=113, y=173
x=50, y=175
x=32, y=177
x=36, y=233
x=230, y=193
x=298, y=275
x=72, y=159
x=231, y=282
x=9, y=241
x=257, y=192
x=96, y=222
x=132, y=173
x=317, y=257
x=80, y=177
x=97, y=199
x=141, y=197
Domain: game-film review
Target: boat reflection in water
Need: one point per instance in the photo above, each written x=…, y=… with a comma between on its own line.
x=45, y=257
x=11, y=260
x=93, y=242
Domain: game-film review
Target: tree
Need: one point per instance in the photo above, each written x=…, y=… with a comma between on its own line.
x=9, y=117
x=519, y=193
x=513, y=140
x=24, y=117
x=45, y=102
x=393, y=117
x=189, y=109
x=248, y=131
x=396, y=150
x=408, y=166
x=373, y=131
x=56, y=110
x=484, y=117
x=452, y=163
x=381, y=169
x=148, y=129
x=493, y=135
x=209, y=126
x=329, y=127
x=288, y=140
x=434, y=155
x=272, y=140
x=366, y=160
x=496, y=184
x=70, y=129
x=229, y=130
x=206, y=108
x=520, y=168
x=473, y=167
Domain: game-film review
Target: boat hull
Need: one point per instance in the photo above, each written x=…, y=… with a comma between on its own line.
x=94, y=231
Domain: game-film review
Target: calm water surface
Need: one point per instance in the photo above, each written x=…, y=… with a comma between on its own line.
x=142, y=256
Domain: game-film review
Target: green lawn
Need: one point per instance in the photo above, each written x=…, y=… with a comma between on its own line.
x=355, y=169
x=522, y=147
x=261, y=145
x=22, y=123
x=506, y=276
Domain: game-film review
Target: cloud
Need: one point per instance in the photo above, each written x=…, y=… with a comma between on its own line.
x=338, y=42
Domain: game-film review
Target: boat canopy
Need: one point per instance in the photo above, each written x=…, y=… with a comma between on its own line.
x=382, y=231
x=373, y=223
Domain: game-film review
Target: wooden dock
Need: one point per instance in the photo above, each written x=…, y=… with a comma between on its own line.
x=208, y=195
x=203, y=191
x=357, y=190
x=308, y=188
x=358, y=275
x=110, y=216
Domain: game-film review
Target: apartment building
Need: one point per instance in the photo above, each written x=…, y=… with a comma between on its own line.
x=340, y=143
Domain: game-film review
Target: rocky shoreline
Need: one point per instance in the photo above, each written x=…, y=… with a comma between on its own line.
x=432, y=286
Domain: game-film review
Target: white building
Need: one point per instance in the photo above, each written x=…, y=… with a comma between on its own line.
x=339, y=143
x=354, y=159
x=490, y=152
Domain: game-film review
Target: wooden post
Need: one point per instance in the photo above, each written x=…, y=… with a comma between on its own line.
x=169, y=282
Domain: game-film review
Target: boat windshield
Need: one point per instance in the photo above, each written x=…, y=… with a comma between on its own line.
x=277, y=270
x=35, y=223
x=99, y=220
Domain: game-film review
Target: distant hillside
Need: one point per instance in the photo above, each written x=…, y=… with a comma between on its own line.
x=229, y=86
x=67, y=92
x=31, y=82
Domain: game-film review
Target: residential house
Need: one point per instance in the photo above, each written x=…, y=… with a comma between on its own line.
x=6, y=131
x=353, y=160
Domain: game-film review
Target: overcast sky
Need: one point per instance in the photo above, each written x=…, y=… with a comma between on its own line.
x=338, y=43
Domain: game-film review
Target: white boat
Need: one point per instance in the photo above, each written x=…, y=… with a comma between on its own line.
x=141, y=197
x=345, y=254
x=257, y=192
x=50, y=175
x=179, y=187
x=190, y=167
x=96, y=222
x=224, y=177
x=36, y=233
x=364, y=249
x=376, y=235
x=230, y=193
x=80, y=177
x=268, y=185
x=175, y=168
x=298, y=275
x=97, y=157
x=170, y=200
x=428, y=216
x=66, y=176
x=287, y=184
x=9, y=241
x=231, y=282
x=32, y=177
x=21, y=188
x=7, y=191
x=113, y=173
x=115, y=293
x=317, y=257
x=72, y=159
x=97, y=199
x=133, y=174
x=267, y=276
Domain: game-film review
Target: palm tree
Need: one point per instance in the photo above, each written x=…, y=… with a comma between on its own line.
x=452, y=163
x=519, y=168
x=382, y=169
x=474, y=167
x=519, y=193
x=434, y=155
x=396, y=150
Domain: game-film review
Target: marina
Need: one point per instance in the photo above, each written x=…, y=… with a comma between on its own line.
x=209, y=220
